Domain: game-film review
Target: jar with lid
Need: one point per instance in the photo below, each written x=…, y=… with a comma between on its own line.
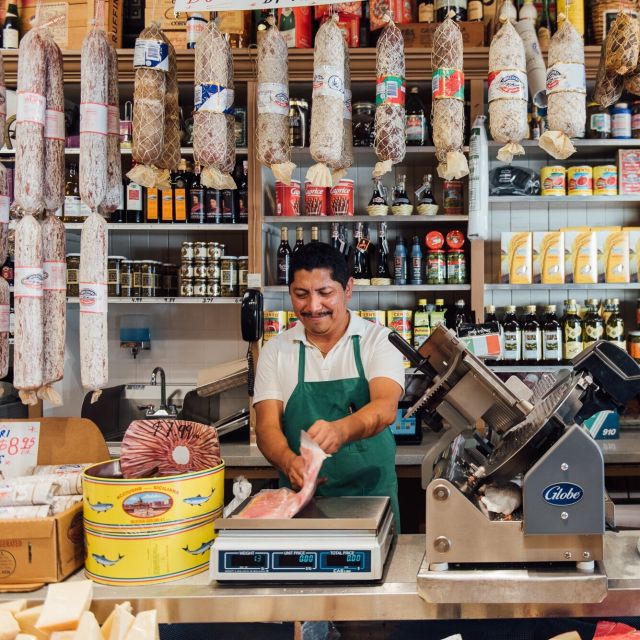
x=243, y=270
x=73, y=273
x=148, y=279
x=214, y=250
x=635, y=119
x=186, y=287
x=200, y=287
x=598, y=121
x=298, y=122
x=136, y=279
x=169, y=279
x=364, y=114
x=113, y=275
x=620, y=120
x=200, y=251
x=126, y=278
x=229, y=276
x=452, y=201
x=187, y=251
x=633, y=345
x=200, y=268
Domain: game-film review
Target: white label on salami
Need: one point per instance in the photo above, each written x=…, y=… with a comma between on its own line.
x=273, y=98
x=5, y=312
x=213, y=98
x=54, y=125
x=27, y=282
x=566, y=77
x=93, y=297
x=151, y=54
x=113, y=117
x=31, y=108
x=348, y=109
x=94, y=118
x=328, y=81
x=507, y=84
x=4, y=209
x=55, y=275
x=442, y=4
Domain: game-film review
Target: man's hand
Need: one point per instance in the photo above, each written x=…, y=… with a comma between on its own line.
x=294, y=469
x=330, y=436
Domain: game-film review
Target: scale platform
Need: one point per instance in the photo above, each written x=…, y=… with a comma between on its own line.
x=343, y=539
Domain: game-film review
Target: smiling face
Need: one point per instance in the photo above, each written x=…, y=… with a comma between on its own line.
x=319, y=302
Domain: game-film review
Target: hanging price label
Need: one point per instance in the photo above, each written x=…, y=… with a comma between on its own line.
x=237, y=5
x=18, y=447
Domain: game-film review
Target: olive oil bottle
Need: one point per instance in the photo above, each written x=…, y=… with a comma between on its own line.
x=593, y=325
x=572, y=332
x=614, y=325
x=512, y=336
x=551, y=336
x=531, y=336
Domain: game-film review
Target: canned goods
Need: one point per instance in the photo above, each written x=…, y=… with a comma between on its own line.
x=199, y=287
x=401, y=321
x=292, y=319
x=605, y=180
x=452, y=191
x=186, y=251
x=456, y=267
x=580, y=180
x=113, y=275
x=436, y=266
x=553, y=181
x=126, y=278
x=214, y=250
x=288, y=198
x=243, y=271
x=315, y=200
x=200, y=251
x=229, y=276
x=186, y=287
x=213, y=271
x=73, y=274
x=213, y=289
x=187, y=270
x=200, y=268
x=275, y=322
x=341, y=201
x=375, y=316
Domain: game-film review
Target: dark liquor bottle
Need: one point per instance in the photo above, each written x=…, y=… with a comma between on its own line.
x=459, y=8
x=120, y=214
x=491, y=318
x=196, y=199
x=314, y=234
x=614, y=326
x=135, y=203
x=551, y=336
x=284, y=257
x=400, y=196
x=299, y=239
x=545, y=26
x=425, y=11
x=152, y=205
x=11, y=28
x=243, y=194
x=593, y=325
x=415, y=270
x=378, y=203
x=400, y=262
x=213, y=206
x=365, y=26
x=531, y=336
x=512, y=336
x=416, y=120
x=361, y=271
x=383, y=274
x=426, y=204
x=460, y=315
x=572, y=332
x=180, y=184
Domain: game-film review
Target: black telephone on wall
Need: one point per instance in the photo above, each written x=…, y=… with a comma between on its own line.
x=251, y=316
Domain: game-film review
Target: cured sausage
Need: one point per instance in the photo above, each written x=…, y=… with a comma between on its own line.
x=346, y=157
x=4, y=214
x=94, y=74
x=390, y=96
x=94, y=353
x=30, y=121
x=151, y=62
x=4, y=327
x=114, y=162
x=28, y=331
x=272, y=129
x=170, y=158
x=3, y=96
x=213, y=120
x=327, y=109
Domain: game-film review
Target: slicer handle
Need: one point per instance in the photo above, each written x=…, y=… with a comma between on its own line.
x=412, y=355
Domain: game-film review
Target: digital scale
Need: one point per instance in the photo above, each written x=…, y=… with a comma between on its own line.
x=343, y=539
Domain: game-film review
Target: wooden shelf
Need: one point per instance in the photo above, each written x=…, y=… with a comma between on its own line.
x=167, y=228
x=415, y=219
x=570, y=200
x=75, y=151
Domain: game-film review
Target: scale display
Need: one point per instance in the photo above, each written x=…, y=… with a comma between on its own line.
x=327, y=561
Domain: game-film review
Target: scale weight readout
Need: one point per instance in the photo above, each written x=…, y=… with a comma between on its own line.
x=278, y=561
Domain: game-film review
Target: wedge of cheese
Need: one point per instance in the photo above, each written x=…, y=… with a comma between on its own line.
x=88, y=628
x=64, y=605
x=144, y=627
x=27, y=620
x=14, y=606
x=9, y=628
x=118, y=623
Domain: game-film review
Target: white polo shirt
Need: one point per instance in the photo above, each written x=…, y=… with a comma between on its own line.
x=277, y=373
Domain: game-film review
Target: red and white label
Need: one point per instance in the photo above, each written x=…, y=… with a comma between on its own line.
x=328, y=81
x=94, y=118
x=114, y=120
x=507, y=84
x=5, y=205
x=5, y=311
x=93, y=297
x=54, y=125
x=32, y=108
x=273, y=97
x=569, y=76
x=55, y=275
x=27, y=282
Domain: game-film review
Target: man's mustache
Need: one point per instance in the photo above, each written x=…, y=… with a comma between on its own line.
x=315, y=315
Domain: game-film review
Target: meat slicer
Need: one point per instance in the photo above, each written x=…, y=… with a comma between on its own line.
x=515, y=498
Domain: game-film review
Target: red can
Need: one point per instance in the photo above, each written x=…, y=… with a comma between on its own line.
x=288, y=198
x=315, y=200
x=341, y=198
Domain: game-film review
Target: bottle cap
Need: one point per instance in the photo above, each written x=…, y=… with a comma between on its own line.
x=434, y=240
x=422, y=302
x=530, y=308
x=439, y=302
x=510, y=308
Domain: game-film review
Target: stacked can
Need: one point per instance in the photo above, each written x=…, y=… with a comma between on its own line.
x=200, y=269
x=215, y=251
x=187, y=269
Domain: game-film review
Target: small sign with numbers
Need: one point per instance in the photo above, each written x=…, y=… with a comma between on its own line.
x=18, y=447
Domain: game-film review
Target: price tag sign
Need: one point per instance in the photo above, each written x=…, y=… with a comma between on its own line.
x=236, y=5
x=18, y=447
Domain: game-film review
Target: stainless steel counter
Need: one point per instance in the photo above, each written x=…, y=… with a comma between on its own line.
x=196, y=600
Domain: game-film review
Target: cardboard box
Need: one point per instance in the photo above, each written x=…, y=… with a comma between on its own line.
x=634, y=252
x=50, y=549
x=581, y=256
x=628, y=171
x=178, y=38
x=548, y=257
x=420, y=34
x=165, y=15
x=516, y=248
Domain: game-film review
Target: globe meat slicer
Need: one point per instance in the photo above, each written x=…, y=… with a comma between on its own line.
x=515, y=498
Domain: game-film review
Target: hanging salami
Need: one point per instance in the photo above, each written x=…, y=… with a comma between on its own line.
x=170, y=158
x=346, y=157
x=4, y=327
x=213, y=120
x=272, y=107
x=609, y=85
x=390, y=139
x=113, y=197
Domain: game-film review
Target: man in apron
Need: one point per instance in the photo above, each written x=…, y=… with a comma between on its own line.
x=334, y=375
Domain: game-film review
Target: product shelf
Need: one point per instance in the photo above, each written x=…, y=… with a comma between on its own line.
x=408, y=288
x=168, y=228
x=586, y=149
x=569, y=200
x=75, y=151
x=562, y=287
x=176, y=300
x=437, y=219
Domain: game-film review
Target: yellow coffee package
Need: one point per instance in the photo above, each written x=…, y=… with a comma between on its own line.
x=581, y=256
x=634, y=252
x=548, y=257
x=615, y=256
x=516, y=250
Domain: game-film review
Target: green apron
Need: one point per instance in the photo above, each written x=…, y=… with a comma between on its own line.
x=363, y=468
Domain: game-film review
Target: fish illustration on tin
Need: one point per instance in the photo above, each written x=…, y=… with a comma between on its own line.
x=100, y=507
x=197, y=501
x=203, y=548
x=104, y=561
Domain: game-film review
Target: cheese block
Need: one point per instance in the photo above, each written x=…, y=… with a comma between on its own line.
x=118, y=623
x=9, y=628
x=64, y=605
x=27, y=620
x=14, y=606
x=88, y=628
x=144, y=627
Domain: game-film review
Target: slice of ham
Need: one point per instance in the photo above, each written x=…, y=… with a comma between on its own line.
x=277, y=504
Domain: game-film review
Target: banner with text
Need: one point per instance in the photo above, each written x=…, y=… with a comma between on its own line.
x=237, y=5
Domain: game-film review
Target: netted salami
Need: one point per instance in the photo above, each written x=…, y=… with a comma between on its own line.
x=609, y=85
x=272, y=126
x=3, y=96
x=113, y=196
x=94, y=96
x=4, y=327
x=447, y=108
x=28, y=329
x=151, y=61
x=346, y=157
x=170, y=158
x=5, y=204
x=327, y=110
x=622, y=45
x=508, y=92
x=213, y=121
x=94, y=352
x=566, y=92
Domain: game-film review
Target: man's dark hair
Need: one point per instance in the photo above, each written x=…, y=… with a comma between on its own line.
x=319, y=255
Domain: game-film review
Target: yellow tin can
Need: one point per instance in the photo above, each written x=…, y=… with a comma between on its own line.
x=292, y=319
x=375, y=316
x=401, y=321
x=605, y=180
x=580, y=181
x=553, y=181
x=275, y=322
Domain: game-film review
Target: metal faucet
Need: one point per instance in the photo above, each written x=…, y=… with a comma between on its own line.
x=163, y=411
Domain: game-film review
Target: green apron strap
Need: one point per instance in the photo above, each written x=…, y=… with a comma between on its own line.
x=301, y=362
x=356, y=353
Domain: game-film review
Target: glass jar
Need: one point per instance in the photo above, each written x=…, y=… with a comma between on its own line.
x=73, y=274
x=113, y=275
x=452, y=191
x=199, y=287
x=213, y=271
x=136, y=279
x=633, y=345
x=298, y=122
x=200, y=268
x=187, y=251
x=187, y=270
x=436, y=266
x=364, y=114
x=200, y=251
x=243, y=270
x=126, y=278
x=456, y=267
x=147, y=279
x=598, y=121
x=635, y=119
x=186, y=287
x=620, y=121
x=229, y=276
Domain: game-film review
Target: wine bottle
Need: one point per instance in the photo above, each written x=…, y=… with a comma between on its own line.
x=284, y=257
x=299, y=239
x=382, y=275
